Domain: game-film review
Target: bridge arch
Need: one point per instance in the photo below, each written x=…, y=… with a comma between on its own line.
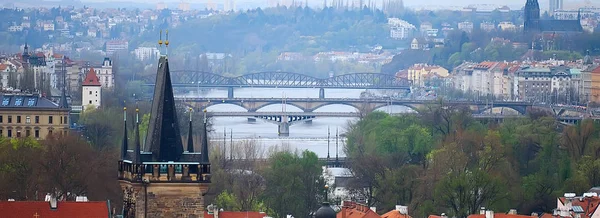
x=274, y=103
x=199, y=77
x=412, y=107
x=335, y=103
x=521, y=110
x=276, y=79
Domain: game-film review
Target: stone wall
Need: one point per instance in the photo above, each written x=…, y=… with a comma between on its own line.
x=170, y=199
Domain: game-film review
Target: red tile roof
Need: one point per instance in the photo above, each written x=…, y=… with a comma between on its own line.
x=395, y=214
x=91, y=79
x=356, y=210
x=228, y=214
x=501, y=215
x=596, y=71
x=3, y=67
x=588, y=204
x=28, y=209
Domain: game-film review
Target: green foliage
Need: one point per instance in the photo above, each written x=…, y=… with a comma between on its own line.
x=294, y=182
x=227, y=201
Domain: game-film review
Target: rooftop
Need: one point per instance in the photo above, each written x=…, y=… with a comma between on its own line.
x=28, y=209
x=26, y=101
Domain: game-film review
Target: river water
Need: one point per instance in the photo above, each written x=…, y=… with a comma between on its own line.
x=303, y=136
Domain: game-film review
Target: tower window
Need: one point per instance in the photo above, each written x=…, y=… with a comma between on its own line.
x=90, y=91
x=9, y=133
x=9, y=119
x=37, y=133
x=28, y=119
x=37, y=119
x=50, y=119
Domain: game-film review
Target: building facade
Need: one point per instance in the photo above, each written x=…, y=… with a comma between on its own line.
x=91, y=91
x=31, y=116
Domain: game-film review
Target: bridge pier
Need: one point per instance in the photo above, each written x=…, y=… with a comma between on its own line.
x=284, y=129
x=230, y=92
x=321, y=92
x=251, y=120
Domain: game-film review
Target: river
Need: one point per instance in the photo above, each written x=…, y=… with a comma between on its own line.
x=303, y=136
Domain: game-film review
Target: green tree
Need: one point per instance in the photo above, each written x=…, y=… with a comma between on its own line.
x=295, y=185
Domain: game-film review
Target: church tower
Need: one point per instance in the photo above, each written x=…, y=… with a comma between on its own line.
x=163, y=180
x=531, y=14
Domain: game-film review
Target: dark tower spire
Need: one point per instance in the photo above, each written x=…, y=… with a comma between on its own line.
x=124, y=144
x=204, y=141
x=137, y=158
x=164, y=137
x=190, y=141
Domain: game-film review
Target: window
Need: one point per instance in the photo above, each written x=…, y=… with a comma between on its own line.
x=90, y=92
x=19, y=101
x=5, y=101
x=49, y=132
x=18, y=134
x=28, y=119
x=9, y=119
x=50, y=119
x=37, y=133
x=27, y=133
x=66, y=120
x=90, y=101
x=1, y=132
x=1, y=119
x=9, y=133
x=31, y=102
x=18, y=119
x=37, y=119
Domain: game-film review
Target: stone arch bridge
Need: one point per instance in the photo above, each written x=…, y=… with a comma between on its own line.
x=362, y=105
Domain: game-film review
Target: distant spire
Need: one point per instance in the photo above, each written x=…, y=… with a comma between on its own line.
x=124, y=145
x=190, y=141
x=137, y=159
x=205, y=141
x=328, y=135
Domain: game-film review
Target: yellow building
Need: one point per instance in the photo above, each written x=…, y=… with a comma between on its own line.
x=418, y=72
x=31, y=116
x=595, y=92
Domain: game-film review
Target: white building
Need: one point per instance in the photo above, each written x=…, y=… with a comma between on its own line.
x=400, y=29
x=116, y=45
x=487, y=26
x=507, y=26
x=146, y=53
x=48, y=26
x=15, y=28
x=91, y=90
x=466, y=26
x=105, y=74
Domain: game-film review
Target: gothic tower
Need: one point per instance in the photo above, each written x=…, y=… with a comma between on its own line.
x=163, y=180
x=531, y=14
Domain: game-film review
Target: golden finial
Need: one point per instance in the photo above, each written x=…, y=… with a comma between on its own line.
x=137, y=110
x=167, y=39
x=204, y=110
x=190, y=109
x=124, y=108
x=160, y=39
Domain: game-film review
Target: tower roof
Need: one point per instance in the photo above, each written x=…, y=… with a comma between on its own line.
x=164, y=137
x=91, y=79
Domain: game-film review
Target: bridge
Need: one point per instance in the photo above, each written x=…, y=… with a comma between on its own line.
x=364, y=105
x=243, y=163
x=198, y=79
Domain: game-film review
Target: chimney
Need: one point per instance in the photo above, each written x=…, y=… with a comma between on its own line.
x=374, y=209
x=534, y=214
x=444, y=215
x=216, y=212
x=512, y=212
x=53, y=203
x=482, y=211
x=489, y=214
x=81, y=199
x=402, y=209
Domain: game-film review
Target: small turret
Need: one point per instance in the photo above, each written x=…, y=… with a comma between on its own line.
x=137, y=159
x=205, y=141
x=190, y=142
x=124, y=144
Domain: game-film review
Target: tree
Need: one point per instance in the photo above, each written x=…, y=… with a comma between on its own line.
x=295, y=185
x=578, y=138
x=465, y=192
